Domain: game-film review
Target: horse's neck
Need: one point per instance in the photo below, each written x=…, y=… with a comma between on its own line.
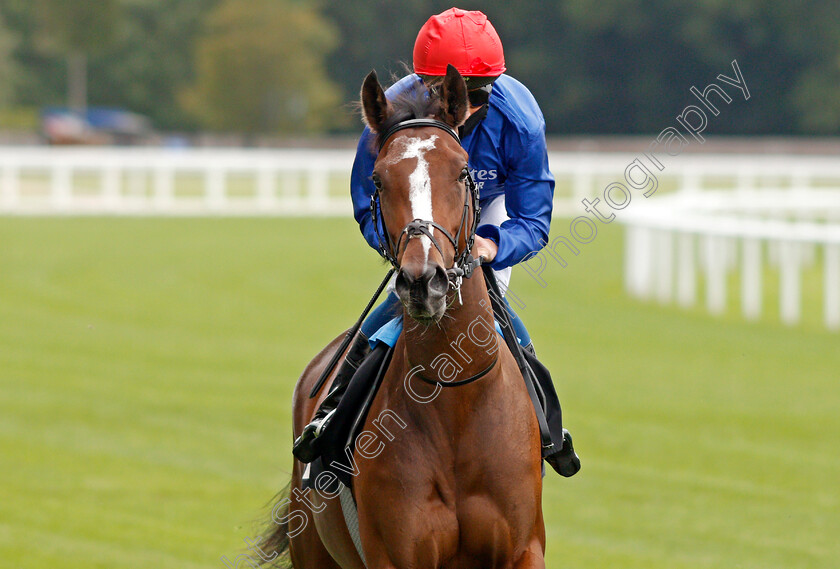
x=465, y=336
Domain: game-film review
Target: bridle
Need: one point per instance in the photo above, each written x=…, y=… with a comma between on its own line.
x=463, y=265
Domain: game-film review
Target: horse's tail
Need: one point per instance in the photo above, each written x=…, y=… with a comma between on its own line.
x=275, y=537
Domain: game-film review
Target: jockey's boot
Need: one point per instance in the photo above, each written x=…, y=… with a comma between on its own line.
x=306, y=447
x=565, y=461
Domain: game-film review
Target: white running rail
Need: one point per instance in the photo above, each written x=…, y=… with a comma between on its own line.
x=720, y=212
x=160, y=181
x=153, y=181
x=673, y=241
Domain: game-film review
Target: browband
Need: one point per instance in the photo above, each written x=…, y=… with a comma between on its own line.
x=414, y=123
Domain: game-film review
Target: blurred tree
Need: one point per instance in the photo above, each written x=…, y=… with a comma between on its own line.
x=621, y=66
x=542, y=49
x=148, y=61
x=41, y=78
x=260, y=68
x=817, y=98
x=626, y=66
x=9, y=70
x=152, y=59
x=645, y=54
x=76, y=30
x=376, y=34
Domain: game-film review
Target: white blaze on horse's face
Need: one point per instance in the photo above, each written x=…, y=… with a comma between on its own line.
x=420, y=185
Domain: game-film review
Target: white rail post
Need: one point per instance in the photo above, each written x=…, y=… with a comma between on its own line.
x=664, y=266
x=790, y=282
x=751, y=290
x=832, y=286
x=266, y=197
x=800, y=179
x=686, y=271
x=630, y=262
x=111, y=187
x=581, y=183
x=61, y=187
x=745, y=180
x=715, y=274
x=11, y=185
x=137, y=186
x=214, y=181
x=319, y=183
x=644, y=262
x=692, y=180
x=164, y=188
x=290, y=191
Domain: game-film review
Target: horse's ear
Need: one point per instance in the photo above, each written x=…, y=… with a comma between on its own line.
x=374, y=103
x=453, y=98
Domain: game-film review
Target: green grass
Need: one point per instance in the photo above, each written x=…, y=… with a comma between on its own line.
x=147, y=365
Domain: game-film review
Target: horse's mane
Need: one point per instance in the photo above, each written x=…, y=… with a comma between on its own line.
x=416, y=102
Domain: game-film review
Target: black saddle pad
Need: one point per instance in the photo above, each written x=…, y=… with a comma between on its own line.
x=349, y=418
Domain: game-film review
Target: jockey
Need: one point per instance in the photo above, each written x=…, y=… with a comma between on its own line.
x=504, y=136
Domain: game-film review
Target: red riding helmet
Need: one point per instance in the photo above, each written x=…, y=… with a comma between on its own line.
x=465, y=39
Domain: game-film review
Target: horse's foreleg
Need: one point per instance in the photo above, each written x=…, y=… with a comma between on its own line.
x=330, y=546
x=306, y=548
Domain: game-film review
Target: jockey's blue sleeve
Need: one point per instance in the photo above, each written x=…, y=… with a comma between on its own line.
x=361, y=187
x=529, y=200
x=507, y=155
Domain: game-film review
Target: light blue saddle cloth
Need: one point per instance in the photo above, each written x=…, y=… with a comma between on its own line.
x=390, y=332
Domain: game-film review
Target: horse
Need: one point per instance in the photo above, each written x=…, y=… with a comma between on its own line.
x=454, y=480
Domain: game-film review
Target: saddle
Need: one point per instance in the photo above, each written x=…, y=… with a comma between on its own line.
x=339, y=442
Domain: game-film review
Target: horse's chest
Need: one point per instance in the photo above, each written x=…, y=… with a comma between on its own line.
x=464, y=495
x=431, y=515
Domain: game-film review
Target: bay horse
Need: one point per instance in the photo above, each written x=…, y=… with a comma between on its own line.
x=458, y=484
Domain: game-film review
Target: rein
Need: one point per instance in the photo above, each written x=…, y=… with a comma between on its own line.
x=463, y=264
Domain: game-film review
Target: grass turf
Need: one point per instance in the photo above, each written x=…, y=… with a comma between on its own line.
x=146, y=369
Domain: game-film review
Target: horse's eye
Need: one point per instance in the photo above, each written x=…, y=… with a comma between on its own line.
x=377, y=181
x=463, y=176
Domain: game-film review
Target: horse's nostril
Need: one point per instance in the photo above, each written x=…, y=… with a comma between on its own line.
x=432, y=279
x=422, y=290
x=403, y=280
x=439, y=280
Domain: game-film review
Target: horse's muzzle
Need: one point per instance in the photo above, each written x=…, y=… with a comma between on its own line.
x=423, y=292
